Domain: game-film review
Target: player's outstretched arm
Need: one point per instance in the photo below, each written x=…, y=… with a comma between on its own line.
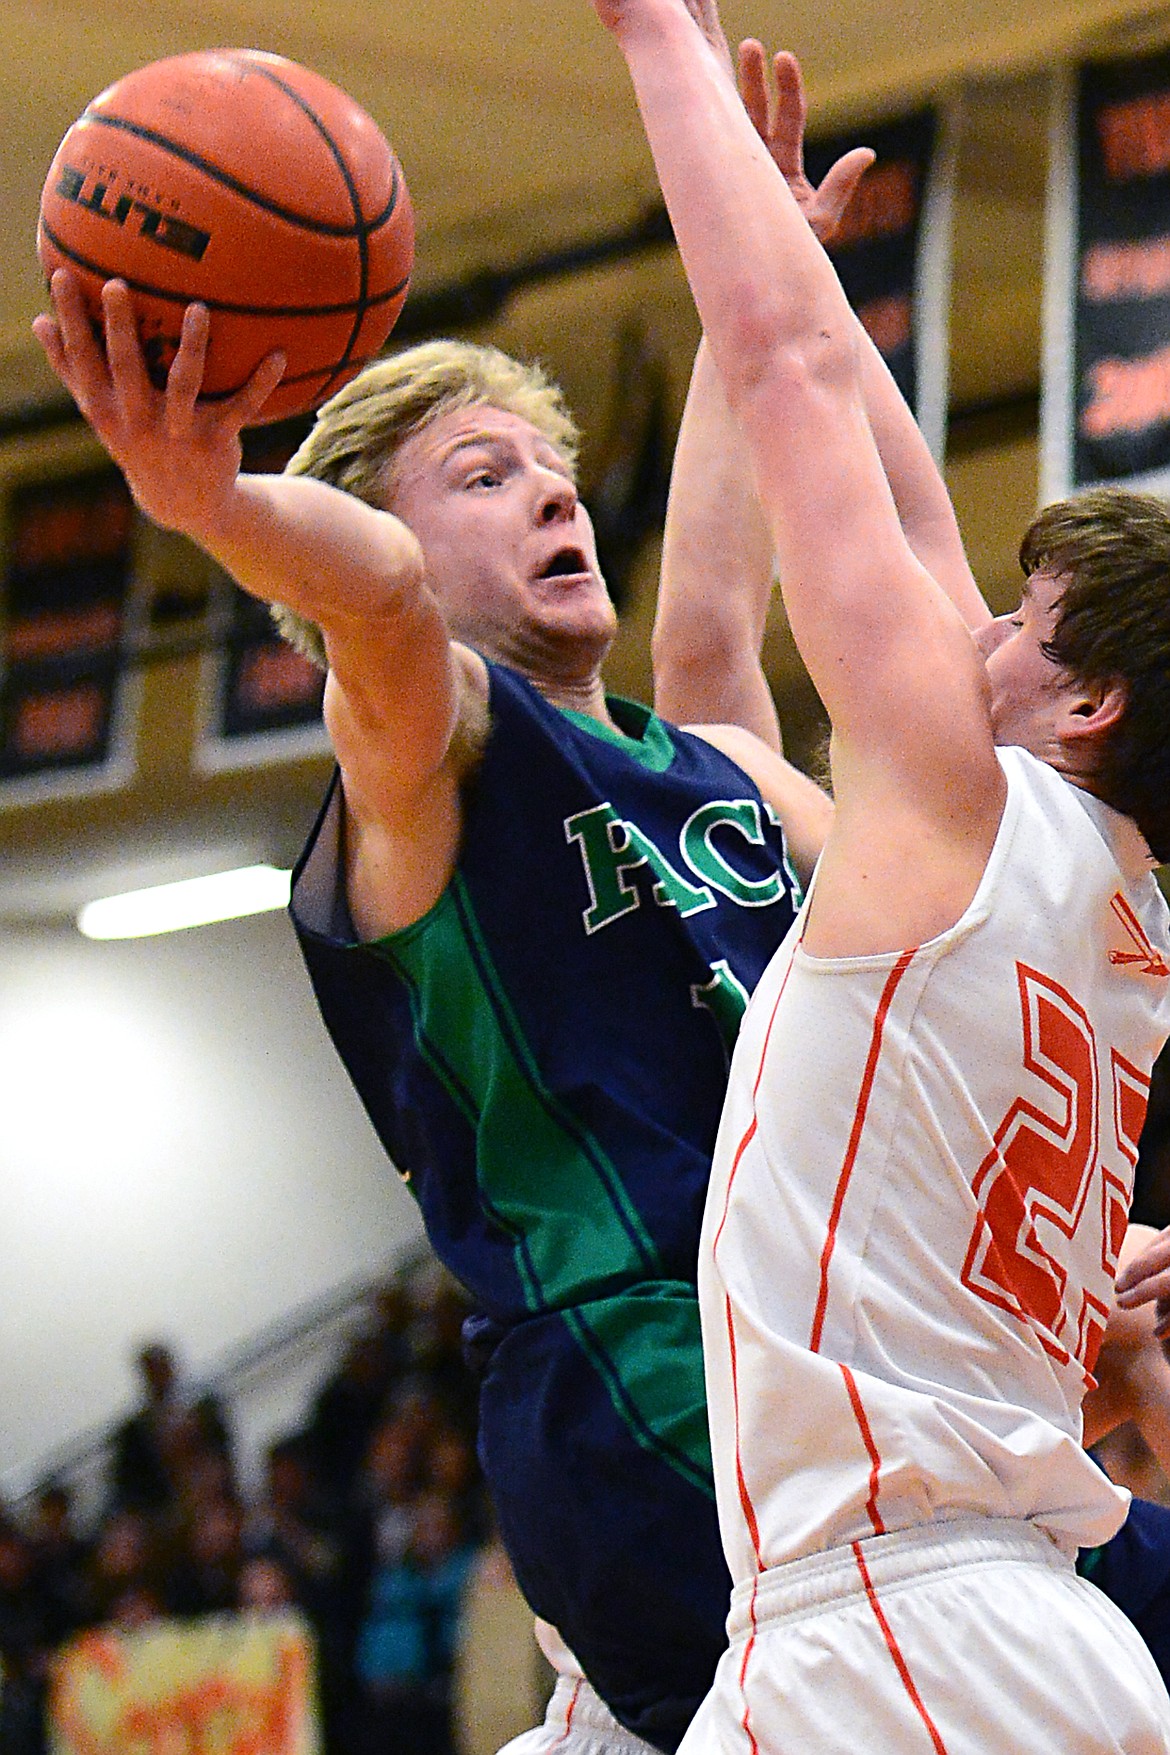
x=716, y=585
x=717, y=574
x=900, y=677
x=397, y=686
x=181, y=458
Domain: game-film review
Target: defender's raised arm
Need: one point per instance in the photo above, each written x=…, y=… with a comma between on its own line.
x=894, y=664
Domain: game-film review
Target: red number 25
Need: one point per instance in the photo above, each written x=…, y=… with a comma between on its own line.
x=1045, y=1168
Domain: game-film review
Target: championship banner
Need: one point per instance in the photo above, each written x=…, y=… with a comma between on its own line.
x=69, y=616
x=893, y=251
x=1105, y=408
x=227, y=1685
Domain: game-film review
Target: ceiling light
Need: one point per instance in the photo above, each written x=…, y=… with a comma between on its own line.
x=254, y=889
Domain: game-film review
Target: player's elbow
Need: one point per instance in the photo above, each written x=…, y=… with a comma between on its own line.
x=693, y=661
x=784, y=369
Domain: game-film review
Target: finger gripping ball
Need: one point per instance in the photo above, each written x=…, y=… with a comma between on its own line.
x=254, y=185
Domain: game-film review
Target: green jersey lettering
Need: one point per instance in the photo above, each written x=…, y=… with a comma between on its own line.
x=725, y=997
x=610, y=850
x=706, y=861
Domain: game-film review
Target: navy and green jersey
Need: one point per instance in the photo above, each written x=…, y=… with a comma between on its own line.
x=544, y=1055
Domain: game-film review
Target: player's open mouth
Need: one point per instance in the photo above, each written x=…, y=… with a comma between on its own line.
x=567, y=563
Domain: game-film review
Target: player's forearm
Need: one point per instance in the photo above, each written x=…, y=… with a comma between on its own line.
x=717, y=573
x=323, y=553
x=920, y=493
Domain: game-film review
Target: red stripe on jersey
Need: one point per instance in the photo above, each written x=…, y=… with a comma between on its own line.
x=895, y=1652
x=745, y=1721
x=570, y=1710
x=867, y=1079
x=749, y=1134
x=745, y=1503
x=875, y=1460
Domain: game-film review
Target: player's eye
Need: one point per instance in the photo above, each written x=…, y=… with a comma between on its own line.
x=484, y=478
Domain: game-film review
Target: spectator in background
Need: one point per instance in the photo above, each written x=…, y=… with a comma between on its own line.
x=295, y=1525
x=266, y=1586
x=297, y=1552
x=155, y=1448
x=407, y=1643
x=127, y=1570
x=25, y=1642
x=62, y=1559
x=348, y=1407
x=441, y=1308
x=205, y=1576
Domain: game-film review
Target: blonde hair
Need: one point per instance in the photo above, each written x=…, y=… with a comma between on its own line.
x=358, y=433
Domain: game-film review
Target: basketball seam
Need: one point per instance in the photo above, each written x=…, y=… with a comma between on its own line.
x=79, y=260
x=361, y=306
x=361, y=231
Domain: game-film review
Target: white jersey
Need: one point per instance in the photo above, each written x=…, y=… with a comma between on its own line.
x=920, y=1188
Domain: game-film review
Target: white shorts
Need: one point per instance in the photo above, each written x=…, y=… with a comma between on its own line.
x=578, y=1723
x=974, y=1637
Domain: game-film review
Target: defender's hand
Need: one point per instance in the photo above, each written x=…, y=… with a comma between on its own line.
x=1146, y=1280
x=779, y=109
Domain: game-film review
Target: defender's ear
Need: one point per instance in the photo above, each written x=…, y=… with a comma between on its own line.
x=1094, y=709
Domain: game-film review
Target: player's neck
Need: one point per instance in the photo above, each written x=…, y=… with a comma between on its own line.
x=587, y=696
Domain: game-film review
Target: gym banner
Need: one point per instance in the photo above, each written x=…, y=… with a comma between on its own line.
x=68, y=618
x=261, y=699
x=1105, y=414
x=893, y=252
x=228, y=1685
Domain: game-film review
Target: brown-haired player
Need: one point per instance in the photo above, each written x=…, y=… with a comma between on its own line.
x=920, y=1187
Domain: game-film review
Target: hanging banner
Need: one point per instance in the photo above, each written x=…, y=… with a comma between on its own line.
x=68, y=696
x=893, y=250
x=1105, y=412
x=228, y=1685
x=261, y=699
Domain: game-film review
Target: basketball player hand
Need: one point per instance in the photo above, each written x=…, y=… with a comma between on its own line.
x=779, y=110
x=1146, y=1280
x=616, y=13
x=180, y=457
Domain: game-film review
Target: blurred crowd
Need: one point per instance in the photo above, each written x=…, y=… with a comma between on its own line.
x=368, y=1520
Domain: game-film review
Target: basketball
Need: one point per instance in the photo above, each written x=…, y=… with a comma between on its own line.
x=254, y=185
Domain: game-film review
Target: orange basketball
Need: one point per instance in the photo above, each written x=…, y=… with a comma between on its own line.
x=254, y=185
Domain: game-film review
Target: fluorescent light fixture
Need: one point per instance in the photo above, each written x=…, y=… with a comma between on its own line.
x=253, y=889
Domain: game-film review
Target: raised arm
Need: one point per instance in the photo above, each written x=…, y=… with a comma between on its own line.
x=397, y=685
x=718, y=564
x=897, y=670
x=717, y=574
x=779, y=110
